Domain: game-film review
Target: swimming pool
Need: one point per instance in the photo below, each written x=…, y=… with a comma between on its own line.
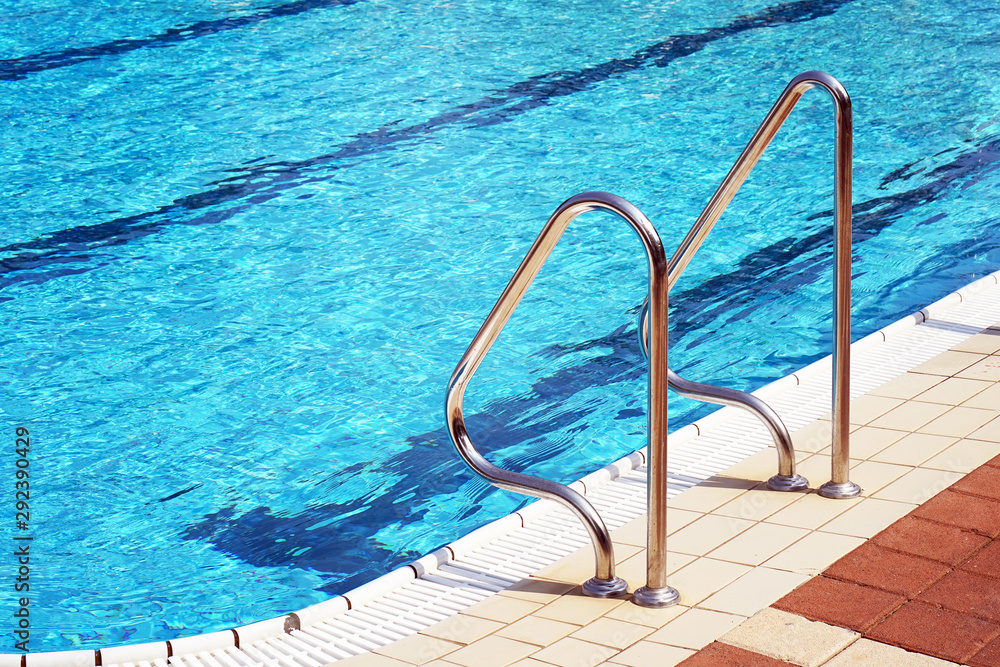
x=245, y=243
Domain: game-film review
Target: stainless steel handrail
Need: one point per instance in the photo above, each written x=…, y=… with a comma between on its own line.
x=604, y=583
x=839, y=485
x=786, y=479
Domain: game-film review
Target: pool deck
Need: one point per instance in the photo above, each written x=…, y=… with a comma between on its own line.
x=907, y=574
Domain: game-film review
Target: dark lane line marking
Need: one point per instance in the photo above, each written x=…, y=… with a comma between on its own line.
x=16, y=69
x=258, y=183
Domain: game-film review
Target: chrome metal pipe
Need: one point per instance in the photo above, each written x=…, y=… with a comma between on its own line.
x=839, y=485
x=786, y=479
x=604, y=583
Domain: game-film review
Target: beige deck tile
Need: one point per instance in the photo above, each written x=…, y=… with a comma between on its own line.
x=907, y=385
x=634, y=569
x=753, y=591
x=910, y=415
x=696, y=628
x=791, y=638
x=676, y=519
x=502, y=608
x=953, y=391
x=570, y=652
x=371, y=660
x=987, y=400
x=871, y=406
x=703, y=577
x=867, y=518
x=758, y=543
x=918, y=486
x=987, y=342
x=440, y=662
x=959, y=422
x=870, y=475
x=634, y=532
x=964, y=456
x=813, y=437
x=536, y=590
x=873, y=475
x=989, y=432
x=622, y=551
x=986, y=369
x=870, y=440
x=462, y=628
x=538, y=631
x=577, y=609
x=701, y=536
x=948, y=363
x=816, y=468
x=757, y=504
x=530, y=662
x=578, y=566
x=612, y=632
x=652, y=618
x=801, y=456
x=651, y=654
x=812, y=511
x=814, y=552
x=711, y=493
x=914, y=448
x=418, y=649
x=492, y=651
x=756, y=467
x=868, y=653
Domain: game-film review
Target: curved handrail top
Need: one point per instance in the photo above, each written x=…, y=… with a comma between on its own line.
x=755, y=148
x=604, y=583
x=532, y=264
x=504, y=308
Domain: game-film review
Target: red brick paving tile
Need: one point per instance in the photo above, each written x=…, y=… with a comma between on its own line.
x=890, y=571
x=989, y=656
x=966, y=593
x=840, y=603
x=986, y=562
x=938, y=632
x=983, y=481
x=994, y=462
x=931, y=540
x=718, y=654
x=962, y=511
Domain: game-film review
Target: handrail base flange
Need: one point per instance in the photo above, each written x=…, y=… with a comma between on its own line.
x=840, y=490
x=656, y=598
x=605, y=588
x=788, y=483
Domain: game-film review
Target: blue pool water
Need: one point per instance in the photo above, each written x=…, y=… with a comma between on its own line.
x=244, y=244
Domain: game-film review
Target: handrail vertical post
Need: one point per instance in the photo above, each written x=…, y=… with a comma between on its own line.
x=840, y=484
x=656, y=592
